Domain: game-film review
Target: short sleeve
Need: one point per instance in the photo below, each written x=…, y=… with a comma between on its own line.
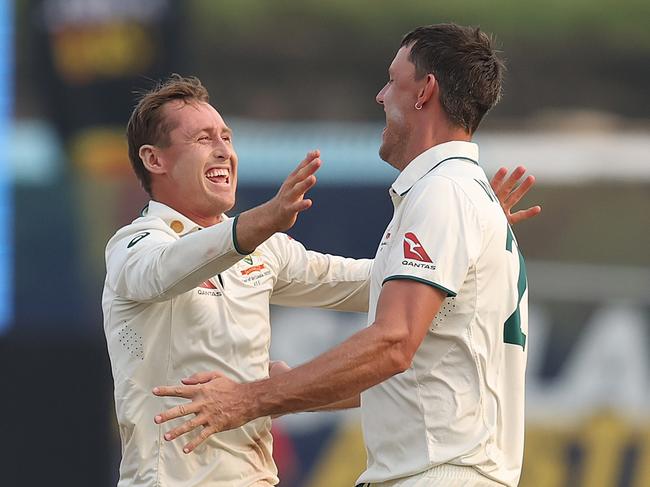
x=438, y=236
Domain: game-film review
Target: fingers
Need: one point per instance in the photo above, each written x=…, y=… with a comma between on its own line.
x=498, y=178
x=303, y=186
x=525, y=214
x=307, y=171
x=513, y=198
x=186, y=427
x=303, y=205
x=201, y=377
x=177, y=412
x=503, y=190
x=175, y=391
x=200, y=438
x=297, y=185
x=311, y=155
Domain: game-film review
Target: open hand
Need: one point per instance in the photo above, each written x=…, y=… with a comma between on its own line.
x=509, y=195
x=290, y=199
x=217, y=403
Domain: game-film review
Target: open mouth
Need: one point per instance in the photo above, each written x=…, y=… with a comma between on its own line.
x=218, y=175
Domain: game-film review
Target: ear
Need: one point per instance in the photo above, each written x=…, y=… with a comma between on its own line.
x=151, y=159
x=428, y=91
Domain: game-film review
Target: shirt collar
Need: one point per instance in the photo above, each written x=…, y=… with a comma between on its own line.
x=175, y=220
x=432, y=158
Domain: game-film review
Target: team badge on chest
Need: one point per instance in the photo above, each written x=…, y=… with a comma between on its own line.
x=252, y=269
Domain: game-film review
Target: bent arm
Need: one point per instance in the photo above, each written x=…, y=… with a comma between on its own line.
x=152, y=264
x=405, y=311
x=149, y=263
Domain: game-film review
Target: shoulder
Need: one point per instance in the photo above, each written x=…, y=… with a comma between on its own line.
x=442, y=198
x=143, y=228
x=435, y=187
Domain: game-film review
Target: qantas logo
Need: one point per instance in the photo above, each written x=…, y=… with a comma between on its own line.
x=206, y=288
x=413, y=249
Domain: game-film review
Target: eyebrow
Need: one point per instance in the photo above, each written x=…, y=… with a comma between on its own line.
x=226, y=130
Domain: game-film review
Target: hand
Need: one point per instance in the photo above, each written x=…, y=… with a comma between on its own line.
x=218, y=404
x=509, y=196
x=290, y=199
x=277, y=367
x=280, y=212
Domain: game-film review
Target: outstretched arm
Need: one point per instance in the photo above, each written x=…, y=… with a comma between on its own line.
x=509, y=193
x=404, y=312
x=147, y=262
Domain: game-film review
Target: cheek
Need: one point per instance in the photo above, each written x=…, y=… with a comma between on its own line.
x=395, y=113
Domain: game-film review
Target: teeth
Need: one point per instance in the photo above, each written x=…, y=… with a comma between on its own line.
x=213, y=173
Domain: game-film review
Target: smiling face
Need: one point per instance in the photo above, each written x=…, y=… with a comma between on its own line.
x=197, y=173
x=398, y=97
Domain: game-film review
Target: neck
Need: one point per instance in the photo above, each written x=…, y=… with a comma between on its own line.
x=424, y=136
x=203, y=219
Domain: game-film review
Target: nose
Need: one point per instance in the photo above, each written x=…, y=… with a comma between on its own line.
x=222, y=150
x=380, y=96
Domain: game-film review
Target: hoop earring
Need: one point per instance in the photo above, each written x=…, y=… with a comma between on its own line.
x=418, y=107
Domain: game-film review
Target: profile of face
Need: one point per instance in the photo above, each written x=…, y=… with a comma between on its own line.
x=398, y=97
x=199, y=164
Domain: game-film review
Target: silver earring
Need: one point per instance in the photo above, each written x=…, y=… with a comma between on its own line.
x=418, y=107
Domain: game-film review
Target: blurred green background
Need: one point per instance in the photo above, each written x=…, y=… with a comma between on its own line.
x=293, y=75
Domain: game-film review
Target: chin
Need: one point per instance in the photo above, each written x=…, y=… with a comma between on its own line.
x=387, y=154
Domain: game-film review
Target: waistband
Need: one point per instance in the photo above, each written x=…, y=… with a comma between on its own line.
x=440, y=472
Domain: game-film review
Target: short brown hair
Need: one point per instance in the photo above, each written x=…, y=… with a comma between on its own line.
x=146, y=124
x=465, y=65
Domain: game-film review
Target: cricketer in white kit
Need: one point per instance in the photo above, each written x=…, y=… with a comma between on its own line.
x=462, y=400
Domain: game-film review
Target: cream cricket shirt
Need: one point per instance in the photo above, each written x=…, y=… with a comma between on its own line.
x=178, y=300
x=462, y=400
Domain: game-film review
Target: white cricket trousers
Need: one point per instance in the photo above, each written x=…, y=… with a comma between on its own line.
x=440, y=476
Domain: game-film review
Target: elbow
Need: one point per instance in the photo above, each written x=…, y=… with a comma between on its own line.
x=399, y=352
x=400, y=361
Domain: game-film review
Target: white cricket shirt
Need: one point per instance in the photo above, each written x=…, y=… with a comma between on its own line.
x=462, y=400
x=178, y=300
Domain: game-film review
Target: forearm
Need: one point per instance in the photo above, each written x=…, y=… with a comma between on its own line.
x=364, y=360
x=350, y=403
x=254, y=227
x=156, y=270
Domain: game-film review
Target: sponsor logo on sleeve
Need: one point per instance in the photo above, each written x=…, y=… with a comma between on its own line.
x=136, y=239
x=414, y=251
